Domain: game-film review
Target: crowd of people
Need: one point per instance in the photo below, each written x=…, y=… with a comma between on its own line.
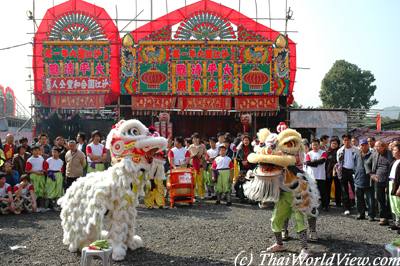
x=33, y=177
x=360, y=174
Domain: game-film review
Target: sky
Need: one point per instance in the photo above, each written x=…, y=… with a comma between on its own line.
x=363, y=32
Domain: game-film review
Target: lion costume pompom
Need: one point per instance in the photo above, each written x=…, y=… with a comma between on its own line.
x=102, y=205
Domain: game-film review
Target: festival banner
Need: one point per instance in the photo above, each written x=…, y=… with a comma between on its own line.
x=204, y=103
x=153, y=102
x=77, y=101
x=76, y=67
x=256, y=103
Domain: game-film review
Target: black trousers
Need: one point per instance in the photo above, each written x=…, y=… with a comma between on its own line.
x=347, y=178
x=383, y=199
x=322, y=191
x=69, y=181
x=239, y=188
x=338, y=189
x=365, y=195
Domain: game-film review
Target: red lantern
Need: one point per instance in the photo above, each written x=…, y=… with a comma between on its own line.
x=256, y=79
x=153, y=78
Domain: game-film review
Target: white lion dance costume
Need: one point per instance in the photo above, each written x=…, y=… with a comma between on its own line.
x=277, y=180
x=102, y=205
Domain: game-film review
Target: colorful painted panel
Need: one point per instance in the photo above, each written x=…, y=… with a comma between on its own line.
x=153, y=78
x=256, y=78
x=76, y=67
x=190, y=68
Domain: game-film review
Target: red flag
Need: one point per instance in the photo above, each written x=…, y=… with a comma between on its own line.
x=378, y=122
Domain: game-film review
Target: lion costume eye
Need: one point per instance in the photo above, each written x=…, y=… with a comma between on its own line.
x=134, y=132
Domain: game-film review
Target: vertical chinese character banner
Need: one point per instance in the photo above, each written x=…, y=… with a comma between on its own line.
x=76, y=67
x=202, y=70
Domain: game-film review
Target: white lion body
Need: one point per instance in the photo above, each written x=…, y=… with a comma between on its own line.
x=102, y=205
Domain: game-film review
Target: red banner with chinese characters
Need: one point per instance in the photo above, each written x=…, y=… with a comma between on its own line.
x=77, y=101
x=204, y=103
x=153, y=102
x=256, y=103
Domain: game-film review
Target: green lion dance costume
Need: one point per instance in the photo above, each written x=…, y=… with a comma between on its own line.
x=276, y=179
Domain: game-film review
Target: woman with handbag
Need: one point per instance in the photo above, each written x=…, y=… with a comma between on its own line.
x=394, y=187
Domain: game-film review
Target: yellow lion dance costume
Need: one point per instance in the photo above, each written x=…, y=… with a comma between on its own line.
x=276, y=179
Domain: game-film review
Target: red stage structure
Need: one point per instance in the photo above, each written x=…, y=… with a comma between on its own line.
x=76, y=66
x=207, y=64
x=200, y=65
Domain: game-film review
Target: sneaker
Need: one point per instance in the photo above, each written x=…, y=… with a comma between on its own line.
x=313, y=236
x=346, y=212
x=383, y=222
x=371, y=219
x=276, y=248
x=394, y=227
x=304, y=254
x=229, y=203
x=360, y=217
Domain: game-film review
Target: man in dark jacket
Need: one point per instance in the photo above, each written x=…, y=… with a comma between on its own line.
x=378, y=167
x=362, y=183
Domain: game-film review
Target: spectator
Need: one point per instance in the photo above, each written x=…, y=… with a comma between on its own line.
x=355, y=142
x=223, y=175
x=24, y=142
x=178, y=156
x=55, y=179
x=61, y=147
x=378, y=167
x=315, y=161
x=75, y=163
x=244, y=165
x=81, y=141
x=188, y=142
x=324, y=142
x=345, y=170
x=6, y=198
x=25, y=198
x=331, y=175
x=12, y=176
x=197, y=154
x=394, y=187
x=371, y=143
x=212, y=153
x=36, y=166
x=227, y=145
x=362, y=183
x=19, y=160
x=96, y=153
x=221, y=139
x=43, y=142
x=9, y=147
